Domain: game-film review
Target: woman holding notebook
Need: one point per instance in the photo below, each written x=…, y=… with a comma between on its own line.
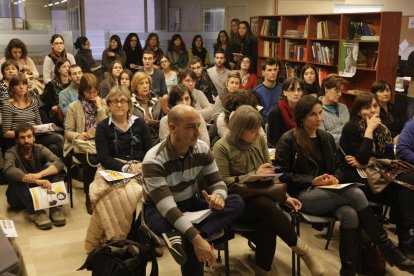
x=308, y=156
x=241, y=154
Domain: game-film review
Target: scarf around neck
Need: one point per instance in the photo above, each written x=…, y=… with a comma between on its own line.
x=54, y=56
x=90, y=114
x=287, y=113
x=381, y=136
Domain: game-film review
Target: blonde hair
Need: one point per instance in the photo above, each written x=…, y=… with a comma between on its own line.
x=119, y=91
x=137, y=78
x=244, y=118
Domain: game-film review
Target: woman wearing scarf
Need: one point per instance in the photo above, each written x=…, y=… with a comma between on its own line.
x=58, y=51
x=335, y=114
x=281, y=118
x=177, y=53
x=146, y=104
x=80, y=124
x=365, y=137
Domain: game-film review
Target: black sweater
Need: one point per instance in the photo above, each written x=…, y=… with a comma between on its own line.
x=112, y=143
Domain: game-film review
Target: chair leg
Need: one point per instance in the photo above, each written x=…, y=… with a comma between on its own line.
x=226, y=258
x=69, y=180
x=329, y=234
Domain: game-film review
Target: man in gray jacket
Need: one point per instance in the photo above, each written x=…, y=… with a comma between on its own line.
x=29, y=165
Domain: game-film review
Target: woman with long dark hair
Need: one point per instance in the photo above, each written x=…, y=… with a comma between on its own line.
x=223, y=43
x=133, y=50
x=198, y=50
x=17, y=50
x=50, y=96
x=244, y=45
x=112, y=53
x=84, y=56
x=309, y=159
x=365, y=138
x=309, y=74
x=177, y=52
x=282, y=117
x=153, y=43
x=111, y=79
x=58, y=51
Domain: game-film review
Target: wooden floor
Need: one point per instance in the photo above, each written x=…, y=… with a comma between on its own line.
x=59, y=251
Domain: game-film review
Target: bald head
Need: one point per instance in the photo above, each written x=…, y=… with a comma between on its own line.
x=181, y=111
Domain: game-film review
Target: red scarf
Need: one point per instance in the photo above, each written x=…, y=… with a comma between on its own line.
x=287, y=113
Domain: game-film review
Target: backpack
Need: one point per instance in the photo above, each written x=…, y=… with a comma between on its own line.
x=121, y=258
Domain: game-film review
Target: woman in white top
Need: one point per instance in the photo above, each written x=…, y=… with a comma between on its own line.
x=17, y=50
x=170, y=75
x=58, y=51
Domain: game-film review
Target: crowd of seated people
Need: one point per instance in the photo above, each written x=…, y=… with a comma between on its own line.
x=160, y=112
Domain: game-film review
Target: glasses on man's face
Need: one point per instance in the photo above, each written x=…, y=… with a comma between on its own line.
x=117, y=102
x=293, y=90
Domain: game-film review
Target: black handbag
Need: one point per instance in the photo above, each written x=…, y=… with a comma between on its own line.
x=121, y=258
x=269, y=188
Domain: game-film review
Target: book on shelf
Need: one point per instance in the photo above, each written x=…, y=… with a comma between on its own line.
x=358, y=30
x=362, y=60
x=270, y=27
x=293, y=34
x=295, y=51
x=305, y=30
x=270, y=49
x=322, y=73
x=325, y=29
x=254, y=22
x=375, y=60
x=324, y=53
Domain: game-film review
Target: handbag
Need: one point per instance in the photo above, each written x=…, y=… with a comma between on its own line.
x=121, y=258
x=382, y=172
x=81, y=146
x=270, y=188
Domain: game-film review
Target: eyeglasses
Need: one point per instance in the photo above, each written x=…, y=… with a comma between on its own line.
x=117, y=102
x=58, y=43
x=299, y=90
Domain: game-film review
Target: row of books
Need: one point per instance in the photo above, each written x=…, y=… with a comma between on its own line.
x=270, y=49
x=295, y=51
x=270, y=27
x=361, y=30
x=363, y=62
x=325, y=29
x=324, y=53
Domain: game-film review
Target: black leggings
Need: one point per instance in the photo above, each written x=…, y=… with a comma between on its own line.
x=269, y=221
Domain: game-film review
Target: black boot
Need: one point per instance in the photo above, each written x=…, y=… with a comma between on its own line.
x=348, y=250
x=407, y=243
x=379, y=236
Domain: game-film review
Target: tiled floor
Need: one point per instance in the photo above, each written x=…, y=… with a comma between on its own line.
x=59, y=251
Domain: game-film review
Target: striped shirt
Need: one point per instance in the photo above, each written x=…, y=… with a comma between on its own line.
x=170, y=178
x=13, y=116
x=68, y=96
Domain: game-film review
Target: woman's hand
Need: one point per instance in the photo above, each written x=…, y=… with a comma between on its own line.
x=83, y=136
x=134, y=168
x=265, y=168
x=324, y=179
x=353, y=162
x=98, y=102
x=294, y=203
x=373, y=122
x=111, y=54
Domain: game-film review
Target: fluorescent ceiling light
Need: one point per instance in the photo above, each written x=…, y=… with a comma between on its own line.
x=355, y=8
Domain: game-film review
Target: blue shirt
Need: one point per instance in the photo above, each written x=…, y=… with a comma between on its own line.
x=268, y=98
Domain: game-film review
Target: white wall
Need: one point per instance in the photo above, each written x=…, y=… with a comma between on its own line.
x=327, y=6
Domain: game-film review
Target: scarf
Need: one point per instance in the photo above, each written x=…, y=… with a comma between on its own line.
x=382, y=137
x=178, y=49
x=54, y=56
x=201, y=54
x=287, y=113
x=90, y=114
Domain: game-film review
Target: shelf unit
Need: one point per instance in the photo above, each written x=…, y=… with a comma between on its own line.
x=325, y=32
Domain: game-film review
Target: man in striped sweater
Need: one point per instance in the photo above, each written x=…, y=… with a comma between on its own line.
x=170, y=170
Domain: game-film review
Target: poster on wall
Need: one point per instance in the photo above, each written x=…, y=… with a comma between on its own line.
x=348, y=58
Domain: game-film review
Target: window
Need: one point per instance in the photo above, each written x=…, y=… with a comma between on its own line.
x=344, y=8
x=213, y=20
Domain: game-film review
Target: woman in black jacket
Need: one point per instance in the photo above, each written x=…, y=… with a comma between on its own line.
x=363, y=138
x=308, y=157
x=245, y=45
x=84, y=56
x=133, y=50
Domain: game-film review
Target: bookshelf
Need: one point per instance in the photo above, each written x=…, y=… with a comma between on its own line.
x=317, y=39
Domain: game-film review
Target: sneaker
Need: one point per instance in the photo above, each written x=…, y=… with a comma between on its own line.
x=41, y=220
x=57, y=216
x=175, y=246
